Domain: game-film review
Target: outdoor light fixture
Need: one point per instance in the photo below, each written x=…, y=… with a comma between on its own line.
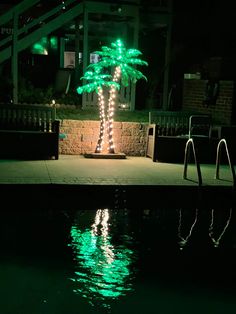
x=45, y=45
x=116, y=8
x=125, y=106
x=116, y=66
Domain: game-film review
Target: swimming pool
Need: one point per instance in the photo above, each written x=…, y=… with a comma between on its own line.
x=144, y=259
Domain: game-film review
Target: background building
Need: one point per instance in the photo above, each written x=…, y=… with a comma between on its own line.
x=54, y=41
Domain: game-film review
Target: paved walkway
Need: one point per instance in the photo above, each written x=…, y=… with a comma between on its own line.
x=77, y=170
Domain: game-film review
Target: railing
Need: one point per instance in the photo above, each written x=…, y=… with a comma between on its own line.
x=222, y=143
x=24, y=117
x=28, y=33
x=170, y=123
x=189, y=143
x=17, y=9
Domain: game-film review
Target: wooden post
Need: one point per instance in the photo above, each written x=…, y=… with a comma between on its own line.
x=14, y=59
x=167, y=65
x=135, y=43
x=77, y=50
x=85, y=48
x=62, y=50
x=149, y=117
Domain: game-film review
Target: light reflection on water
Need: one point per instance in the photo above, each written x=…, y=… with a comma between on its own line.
x=119, y=261
x=184, y=240
x=216, y=240
x=216, y=230
x=103, y=270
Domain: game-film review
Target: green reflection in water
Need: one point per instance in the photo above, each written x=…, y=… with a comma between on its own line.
x=103, y=270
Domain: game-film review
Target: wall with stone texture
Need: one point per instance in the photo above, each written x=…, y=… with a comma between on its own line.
x=79, y=137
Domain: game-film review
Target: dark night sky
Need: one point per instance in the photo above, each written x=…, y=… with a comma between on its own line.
x=210, y=23
x=203, y=30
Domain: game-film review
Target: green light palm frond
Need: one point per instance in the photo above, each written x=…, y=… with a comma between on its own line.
x=136, y=61
x=95, y=71
x=95, y=77
x=87, y=88
x=117, y=44
x=95, y=80
x=112, y=83
x=126, y=59
x=125, y=79
x=105, y=51
x=133, y=73
x=108, y=62
x=131, y=53
x=115, y=56
x=118, y=60
x=132, y=76
x=94, y=87
x=95, y=67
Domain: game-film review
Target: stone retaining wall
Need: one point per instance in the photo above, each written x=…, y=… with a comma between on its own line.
x=79, y=137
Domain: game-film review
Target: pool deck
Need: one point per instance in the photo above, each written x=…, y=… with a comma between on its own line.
x=73, y=180
x=77, y=170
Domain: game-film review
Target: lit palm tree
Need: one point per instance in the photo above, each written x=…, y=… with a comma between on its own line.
x=96, y=82
x=121, y=63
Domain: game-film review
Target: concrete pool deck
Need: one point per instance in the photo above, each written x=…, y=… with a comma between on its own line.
x=77, y=170
x=73, y=181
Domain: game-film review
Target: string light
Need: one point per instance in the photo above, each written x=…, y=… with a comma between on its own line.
x=111, y=109
x=120, y=61
x=100, y=142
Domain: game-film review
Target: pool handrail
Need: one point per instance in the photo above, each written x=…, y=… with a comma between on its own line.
x=186, y=160
x=218, y=155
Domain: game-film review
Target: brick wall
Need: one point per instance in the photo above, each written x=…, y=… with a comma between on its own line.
x=81, y=137
x=193, y=96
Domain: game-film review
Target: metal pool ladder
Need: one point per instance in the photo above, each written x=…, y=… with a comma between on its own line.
x=186, y=159
x=222, y=143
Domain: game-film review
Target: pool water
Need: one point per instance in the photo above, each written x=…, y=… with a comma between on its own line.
x=116, y=260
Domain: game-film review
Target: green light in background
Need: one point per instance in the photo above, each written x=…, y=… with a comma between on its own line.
x=40, y=47
x=53, y=42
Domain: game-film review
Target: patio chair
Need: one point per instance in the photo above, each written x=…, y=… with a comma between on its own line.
x=200, y=126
